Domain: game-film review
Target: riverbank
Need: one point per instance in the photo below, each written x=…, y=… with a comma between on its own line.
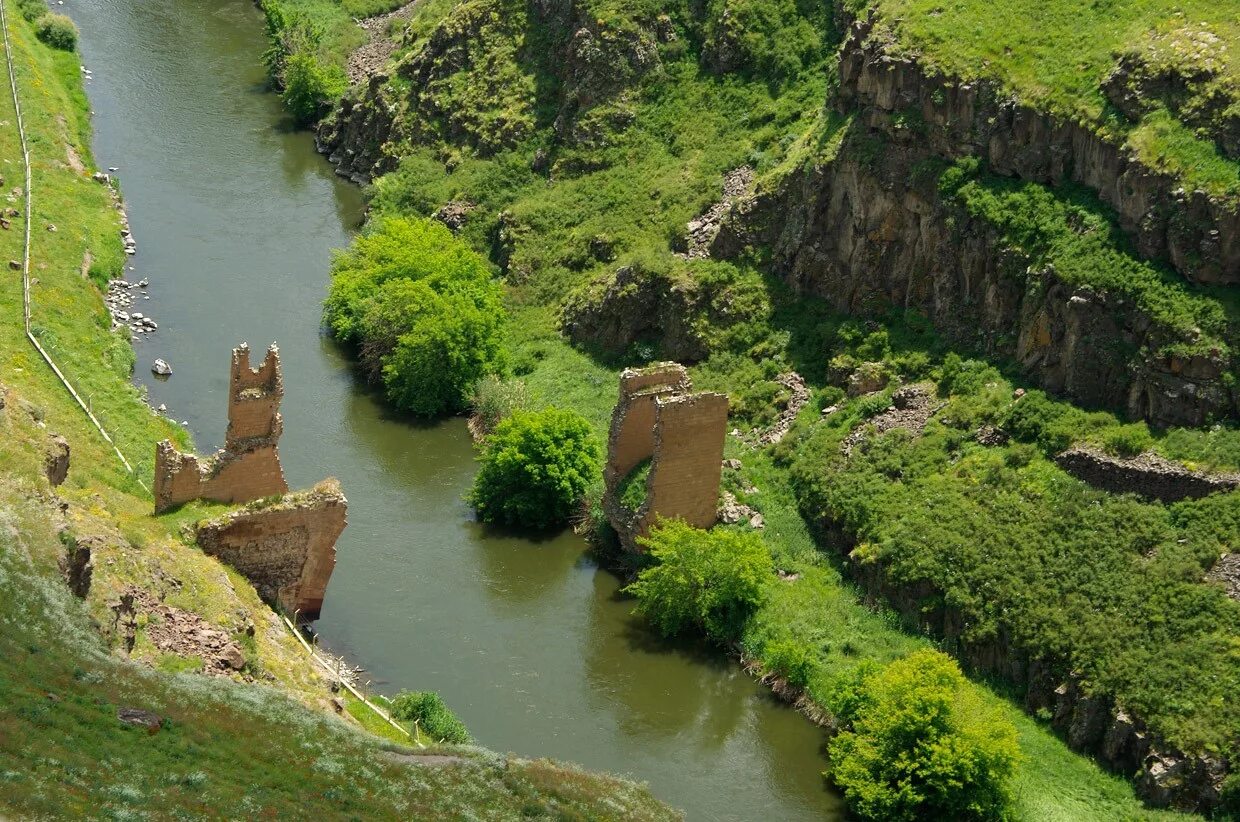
x=67, y=747
x=585, y=217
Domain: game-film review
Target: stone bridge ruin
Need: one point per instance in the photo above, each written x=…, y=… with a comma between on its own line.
x=285, y=544
x=681, y=433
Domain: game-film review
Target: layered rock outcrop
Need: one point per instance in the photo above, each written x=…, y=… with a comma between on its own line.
x=1197, y=233
x=1147, y=475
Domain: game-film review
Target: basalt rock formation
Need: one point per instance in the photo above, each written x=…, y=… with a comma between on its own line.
x=681, y=433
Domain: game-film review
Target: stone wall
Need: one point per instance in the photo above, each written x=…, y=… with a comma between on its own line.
x=287, y=549
x=248, y=467
x=681, y=434
x=1148, y=475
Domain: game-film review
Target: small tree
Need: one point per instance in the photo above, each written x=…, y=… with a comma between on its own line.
x=58, y=31
x=921, y=744
x=708, y=579
x=434, y=718
x=308, y=86
x=535, y=467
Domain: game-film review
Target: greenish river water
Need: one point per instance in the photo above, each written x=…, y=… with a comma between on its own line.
x=234, y=214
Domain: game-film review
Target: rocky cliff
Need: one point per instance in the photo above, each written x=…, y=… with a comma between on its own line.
x=870, y=231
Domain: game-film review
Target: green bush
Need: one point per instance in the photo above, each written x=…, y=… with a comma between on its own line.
x=32, y=10
x=535, y=468
x=309, y=86
x=632, y=490
x=791, y=660
x=711, y=580
x=1128, y=440
x=433, y=717
x=1036, y=418
x=422, y=311
x=921, y=744
x=58, y=31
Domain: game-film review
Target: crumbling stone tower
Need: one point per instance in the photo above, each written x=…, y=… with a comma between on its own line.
x=681, y=433
x=254, y=396
x=248, y=467
x=286, y=546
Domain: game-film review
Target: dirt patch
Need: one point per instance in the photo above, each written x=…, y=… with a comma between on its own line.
x=1227, y=571
x=371, y=58
x=911, y=408
x=174, y=631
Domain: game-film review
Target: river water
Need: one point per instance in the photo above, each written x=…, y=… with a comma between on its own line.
x=235, y=215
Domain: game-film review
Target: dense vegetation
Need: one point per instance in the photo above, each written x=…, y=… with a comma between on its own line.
x=711, y=581
x=422, y=310
x=575, y=164
x=535, y=469
x=426, y=709
x=919, y=744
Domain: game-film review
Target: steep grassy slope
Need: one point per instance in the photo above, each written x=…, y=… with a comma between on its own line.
x=258, y=747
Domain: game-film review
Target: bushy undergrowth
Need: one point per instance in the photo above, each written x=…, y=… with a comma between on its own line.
x=433, y=717
x=701, y=580
x=1107, y=586
x=302, y=59
x=919, y=744
x=535, y=467
x=58, y=31
x=1087, y=250
x=421, y=309
x=492, y=400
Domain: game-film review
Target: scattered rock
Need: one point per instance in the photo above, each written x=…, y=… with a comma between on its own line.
x=1227, y=571
x=911, y=408
x=799, y=396
x=161, y=368
x=701, y=232
x=732, y=512
x=868, y=378
x=186, y=634
x=991, y=436
x=734, y=465
x=140, y=718
x=454, y=214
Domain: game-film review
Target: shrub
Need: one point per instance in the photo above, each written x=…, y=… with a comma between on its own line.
x=708, y=579
x=58, y=31
x=32, y=10
x=309, y=87
x=493, y=400
x=422, y=310
x=1039, y=419
x=1128, y=440
x=535, y=468
x=632, y=490
x=921, y=744
x=433, y=717
x=791, y=660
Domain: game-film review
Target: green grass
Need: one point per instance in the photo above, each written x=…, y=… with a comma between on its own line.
x=261, y=749
x=1055, y=56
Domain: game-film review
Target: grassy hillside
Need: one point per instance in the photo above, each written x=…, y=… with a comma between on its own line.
x=1057, y=57
x=266, y=744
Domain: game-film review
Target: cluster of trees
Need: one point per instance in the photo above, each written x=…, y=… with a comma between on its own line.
x=308, y=84
x=422, y=310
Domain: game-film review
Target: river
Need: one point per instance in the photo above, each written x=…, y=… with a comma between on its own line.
x=235, y=215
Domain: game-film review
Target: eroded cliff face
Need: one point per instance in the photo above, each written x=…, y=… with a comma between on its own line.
x=1197, y=233
x=869, y=231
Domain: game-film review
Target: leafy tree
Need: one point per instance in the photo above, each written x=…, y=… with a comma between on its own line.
x=535, y=468
x=921, y=744
x=708, y=579
x=309, y=87
x=422, y=310
x=434, y=718
x=58, y=31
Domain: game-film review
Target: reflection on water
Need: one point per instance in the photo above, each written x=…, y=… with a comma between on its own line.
x=235, y=216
